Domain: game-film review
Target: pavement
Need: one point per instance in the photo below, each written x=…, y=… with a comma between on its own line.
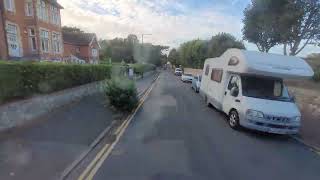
x=43, y=149
x=174, y=135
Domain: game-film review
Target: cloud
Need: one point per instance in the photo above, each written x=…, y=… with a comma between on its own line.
x=170, y=22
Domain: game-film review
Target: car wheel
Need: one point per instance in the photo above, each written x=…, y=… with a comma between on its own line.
x=234, y=120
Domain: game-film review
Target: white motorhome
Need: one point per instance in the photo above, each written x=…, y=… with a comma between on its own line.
x=248, y=86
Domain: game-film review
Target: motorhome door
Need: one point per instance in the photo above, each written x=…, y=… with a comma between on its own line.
x=231, y=94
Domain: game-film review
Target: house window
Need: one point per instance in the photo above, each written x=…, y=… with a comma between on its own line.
x=94, y=52
x=55, y=17
x=13, y=40
x=32, y=39
x=9, y=5
x=29, y=8
x=42, y=10
x=216, y=75
x=56, y=43
x=44, y=40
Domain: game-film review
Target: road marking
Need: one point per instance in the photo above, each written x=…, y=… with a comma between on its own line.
x=106, y=150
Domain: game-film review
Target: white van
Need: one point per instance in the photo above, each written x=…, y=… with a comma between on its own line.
x=248, y=86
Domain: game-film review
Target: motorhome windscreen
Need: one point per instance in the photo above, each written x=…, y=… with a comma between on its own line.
x=264, y=88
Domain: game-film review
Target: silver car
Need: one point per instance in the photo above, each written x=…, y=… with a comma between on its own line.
x=196, y=81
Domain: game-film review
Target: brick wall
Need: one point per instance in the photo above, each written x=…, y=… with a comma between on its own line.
x=3, y=40
x=24, y=22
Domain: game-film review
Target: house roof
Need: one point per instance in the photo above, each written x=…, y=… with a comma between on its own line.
x=55, y=3
x=78, y=38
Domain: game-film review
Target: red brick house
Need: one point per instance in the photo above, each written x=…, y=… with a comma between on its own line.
x=83, y=46
x=30, y=29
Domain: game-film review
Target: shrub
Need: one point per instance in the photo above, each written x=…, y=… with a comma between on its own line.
x=142, y=68
x=20, y=80
x=122, y=94
x=316, y=76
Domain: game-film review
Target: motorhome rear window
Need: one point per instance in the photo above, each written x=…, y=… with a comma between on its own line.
x=207, y=70
x=216, y=75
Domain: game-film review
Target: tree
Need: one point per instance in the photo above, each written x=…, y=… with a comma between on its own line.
x=293, y=23
x=130, y=51
x=222, y=42
x=173, y=57
x=261, y=20
x=300, y=25
x=71, y=29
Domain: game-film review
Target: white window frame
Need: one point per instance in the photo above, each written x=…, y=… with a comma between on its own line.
x=56, y=43
x=32, y=38
x=55, y=18
x=42, y=10
x=44, y=39
x=29, y=8
x=9, y=5
x=17, y=35
x=94, y=52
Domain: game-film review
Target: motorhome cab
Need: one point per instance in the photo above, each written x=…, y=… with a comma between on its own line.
x=248, y=86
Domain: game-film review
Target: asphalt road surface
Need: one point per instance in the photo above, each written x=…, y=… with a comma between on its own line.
x=176, y=136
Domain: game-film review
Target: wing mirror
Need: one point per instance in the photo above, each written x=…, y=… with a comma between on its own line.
x=234, y=91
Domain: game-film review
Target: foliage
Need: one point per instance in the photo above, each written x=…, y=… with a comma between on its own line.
x=71, y=29
x=316, y=75
x=261, y=22
x=142, y=68
x=122, y=94
x=20, y=80
x=295, y=24
x=221, y=42
x=193, y=53
x=130, y=50
x=173, y=56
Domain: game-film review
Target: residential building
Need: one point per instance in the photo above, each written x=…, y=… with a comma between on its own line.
x=31, y=29
x=83, y=46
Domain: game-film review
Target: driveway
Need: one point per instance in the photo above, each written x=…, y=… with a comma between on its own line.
x=176, y=136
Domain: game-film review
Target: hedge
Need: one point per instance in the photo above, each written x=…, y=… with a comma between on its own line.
x=24, y=79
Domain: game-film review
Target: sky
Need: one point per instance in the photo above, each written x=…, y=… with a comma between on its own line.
x=171, y=22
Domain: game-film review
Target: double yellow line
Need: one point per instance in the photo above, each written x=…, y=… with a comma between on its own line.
x=103, y=154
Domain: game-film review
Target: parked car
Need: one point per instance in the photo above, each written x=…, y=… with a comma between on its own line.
x=178, y=72
x=249, y=87
x=186, y=77
x=196, y=81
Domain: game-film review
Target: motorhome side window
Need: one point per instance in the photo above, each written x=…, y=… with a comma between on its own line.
x=216, y=75
x=207, y=70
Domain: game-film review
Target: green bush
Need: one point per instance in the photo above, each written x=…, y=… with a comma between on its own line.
x=316, y=76
x=142, y=68
x=24, y=79
x=122, y=94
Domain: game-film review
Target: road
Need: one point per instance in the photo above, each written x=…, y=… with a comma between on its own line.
x=176, y=136
x=45, y=148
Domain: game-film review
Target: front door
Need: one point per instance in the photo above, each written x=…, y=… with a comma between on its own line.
x=13, y=40
x=229, y=100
